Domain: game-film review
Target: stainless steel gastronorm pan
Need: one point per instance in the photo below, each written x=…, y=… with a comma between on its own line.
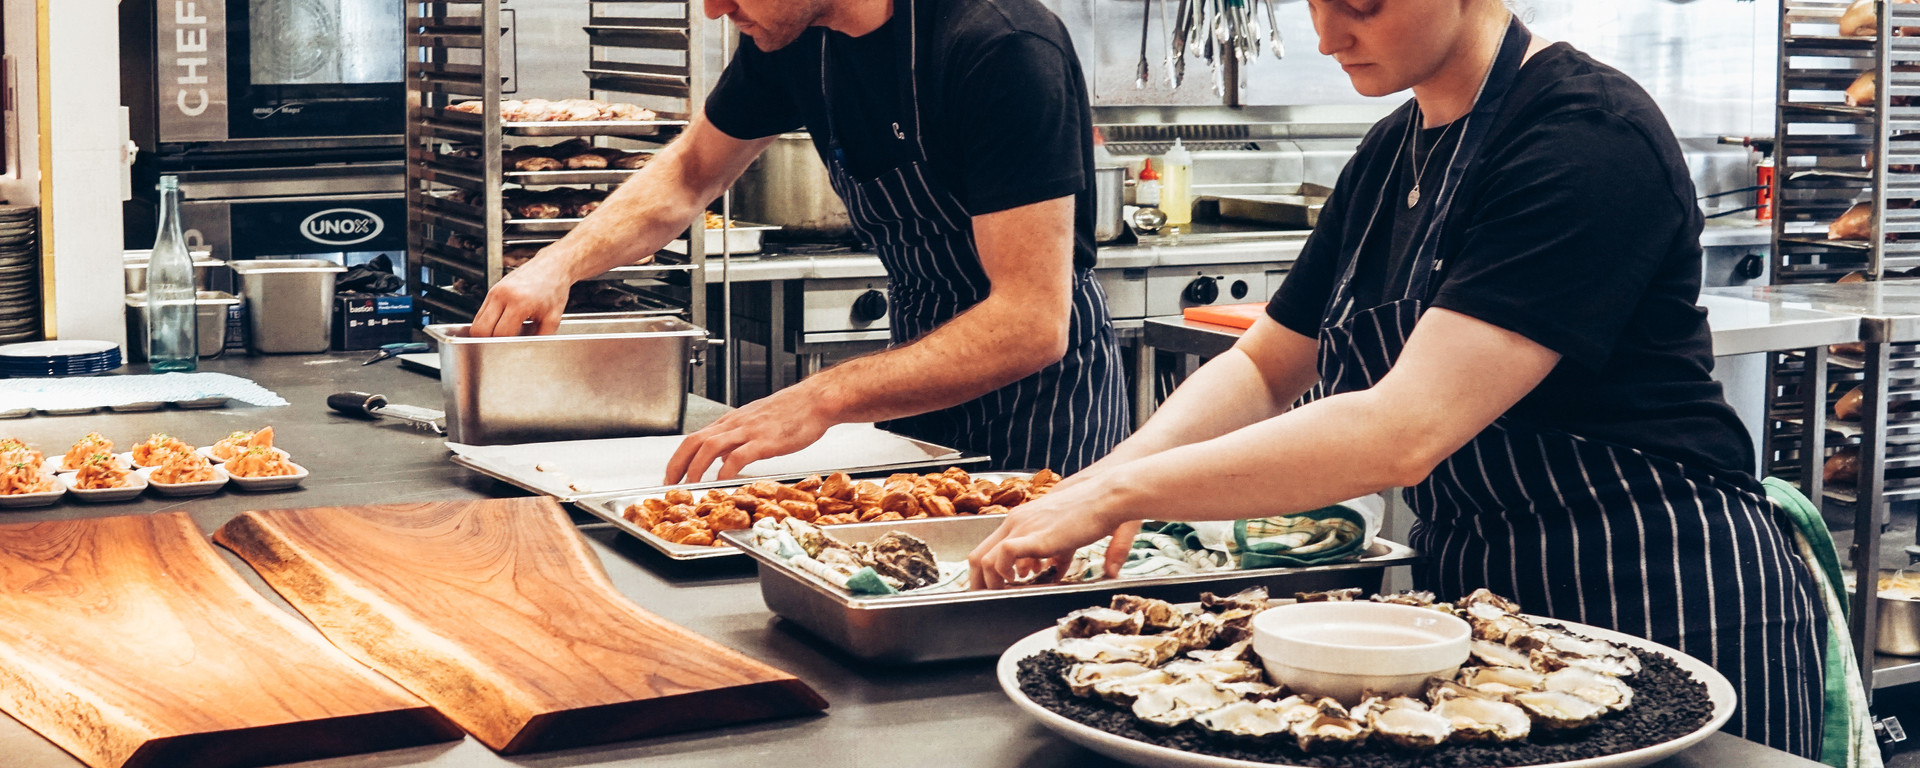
x=911, y=629
x=594, y=378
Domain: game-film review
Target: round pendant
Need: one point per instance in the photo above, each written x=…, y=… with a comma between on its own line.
x=1413, y=197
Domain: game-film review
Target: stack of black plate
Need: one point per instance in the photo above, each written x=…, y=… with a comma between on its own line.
x=78, y=357
x=19, y=273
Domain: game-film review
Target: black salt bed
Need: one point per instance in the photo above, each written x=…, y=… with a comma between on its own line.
x=1667, y=704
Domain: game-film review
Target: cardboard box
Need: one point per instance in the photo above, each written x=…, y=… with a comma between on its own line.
x=366, y=321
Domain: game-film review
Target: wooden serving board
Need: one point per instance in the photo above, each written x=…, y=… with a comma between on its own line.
x=128, y=641
x=498, y=614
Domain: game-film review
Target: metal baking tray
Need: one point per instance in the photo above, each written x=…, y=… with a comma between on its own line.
x=913, y=629
x=737, y=239
x=572, y=470
x=542, y=225
x=1300, y=209
x=611, y=508
x=636, y=128
x=573, y=176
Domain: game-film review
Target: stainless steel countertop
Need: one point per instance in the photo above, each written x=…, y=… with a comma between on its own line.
x=1889, y=310
x=1740, y=326
x=947, y=714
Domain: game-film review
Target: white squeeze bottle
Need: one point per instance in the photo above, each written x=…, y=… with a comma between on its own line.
x=1176, y=186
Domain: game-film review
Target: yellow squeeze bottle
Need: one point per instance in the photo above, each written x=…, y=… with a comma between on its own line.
x=1176, y=186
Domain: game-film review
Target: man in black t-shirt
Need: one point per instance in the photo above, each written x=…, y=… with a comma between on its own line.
x=959, y=134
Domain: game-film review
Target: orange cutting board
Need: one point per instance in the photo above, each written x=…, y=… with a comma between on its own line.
x=1235, y=315
x=497, y=614
x=128, y=641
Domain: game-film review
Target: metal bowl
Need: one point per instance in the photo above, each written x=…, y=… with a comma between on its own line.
x=1899, y=627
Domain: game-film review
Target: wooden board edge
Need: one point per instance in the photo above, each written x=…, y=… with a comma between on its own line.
x=65, y=724
x=609, y=723
x=439, y=677
x=301, y=740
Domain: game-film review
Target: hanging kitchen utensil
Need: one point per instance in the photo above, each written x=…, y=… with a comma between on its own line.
x=1273, y=30
x=1146, y=23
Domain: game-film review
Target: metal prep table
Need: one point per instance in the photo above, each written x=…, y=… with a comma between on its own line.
x=948, y=714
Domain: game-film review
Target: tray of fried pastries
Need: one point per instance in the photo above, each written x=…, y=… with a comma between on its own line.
x=685, y=522
x=575, y=117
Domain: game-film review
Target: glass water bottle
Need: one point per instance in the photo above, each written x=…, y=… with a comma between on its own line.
x=172, y=330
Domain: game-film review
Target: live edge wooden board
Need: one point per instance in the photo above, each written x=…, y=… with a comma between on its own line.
x=498, y=614
x=129, y=641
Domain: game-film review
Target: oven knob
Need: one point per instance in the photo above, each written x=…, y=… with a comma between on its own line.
x=869, y=307
x=1751, y=267
x=1203, y=290
x=1238, y=290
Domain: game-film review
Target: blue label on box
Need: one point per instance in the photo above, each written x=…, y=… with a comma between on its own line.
x=388, y=305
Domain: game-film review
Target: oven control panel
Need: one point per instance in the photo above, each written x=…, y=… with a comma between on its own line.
x=1172, y=289
x=839, y=305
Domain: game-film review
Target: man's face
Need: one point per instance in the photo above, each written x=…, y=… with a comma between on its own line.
x=773, y=24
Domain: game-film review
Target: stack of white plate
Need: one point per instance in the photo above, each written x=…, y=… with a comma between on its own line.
x=19, y=273
x=75, y=357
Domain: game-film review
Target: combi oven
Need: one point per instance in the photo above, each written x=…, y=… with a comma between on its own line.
x=263, y=74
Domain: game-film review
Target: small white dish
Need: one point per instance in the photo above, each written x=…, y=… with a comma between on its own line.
x=275, y=483
x=26, y=500
x=201, y=488
x=142, y=407
x=1344, y=649
x=103, y=495
x=207, y=451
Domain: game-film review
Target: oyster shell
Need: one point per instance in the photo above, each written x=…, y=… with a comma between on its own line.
x=1236, y=625
x=1329, y=729
x=1558, y=710
x=1481, y=720
x=1254, y=690
x=1155, y=615
x=1501, y=681
x=1221, y=671
x=905, y=559
x=1088, y=622
x=1126, y=690
x=1622, y=664
x=1331, y=595
x=1197, y=632
x=1151, y=650
x=1606, y=690
x=1239, y=650
x=1501, y=629
x=1249, y=599
x=1258, y=720
x=1081, y=678
x=1415, y=598
x=1408, y=724
x=1484, y=596
x=1442, y=689
x=1171, y=705
x=1495, y=654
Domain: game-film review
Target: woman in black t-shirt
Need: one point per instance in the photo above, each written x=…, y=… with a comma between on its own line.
x=1497, y=313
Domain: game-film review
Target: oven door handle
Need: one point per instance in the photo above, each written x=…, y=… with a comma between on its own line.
x=306, y=198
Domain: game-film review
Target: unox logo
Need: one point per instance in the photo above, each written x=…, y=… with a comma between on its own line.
x=342, y=226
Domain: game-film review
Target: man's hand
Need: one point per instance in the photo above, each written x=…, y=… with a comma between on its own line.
x=535, y=292
x=776, y=425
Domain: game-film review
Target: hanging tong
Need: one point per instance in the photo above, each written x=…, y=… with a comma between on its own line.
x=1273, y=30
x=1146, y=23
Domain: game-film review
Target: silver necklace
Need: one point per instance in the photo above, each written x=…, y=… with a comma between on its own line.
x=1419, y=168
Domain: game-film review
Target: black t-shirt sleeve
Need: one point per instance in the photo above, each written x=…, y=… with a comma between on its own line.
x=1301, y=302
x=1573, y=220
x=1017, y=110
x=751, y=99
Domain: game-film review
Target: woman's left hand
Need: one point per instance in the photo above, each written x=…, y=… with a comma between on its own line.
x=1045, y=531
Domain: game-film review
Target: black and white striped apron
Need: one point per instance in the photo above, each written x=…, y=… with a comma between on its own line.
x=1064, y=417
x=1591, y=532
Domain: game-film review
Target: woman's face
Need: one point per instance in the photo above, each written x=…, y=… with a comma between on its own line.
x=1386, y=46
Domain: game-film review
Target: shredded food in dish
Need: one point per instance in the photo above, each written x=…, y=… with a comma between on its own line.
x=154, y=451
x=180, y=467
x=21, y=476
x=9, y=447
x=94, y=444
x=235, y=444
x=100, y=472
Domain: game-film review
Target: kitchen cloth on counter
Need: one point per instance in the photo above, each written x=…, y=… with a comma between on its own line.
x=108, y=391
x=1848, y=735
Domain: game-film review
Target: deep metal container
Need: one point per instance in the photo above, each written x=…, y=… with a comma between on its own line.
x=912, y=629
x=1898, y=632
x=1109, y=198
x=203, y=270
x=289, y=303
x=210, y=314
x=787, y=186
x=594, y=378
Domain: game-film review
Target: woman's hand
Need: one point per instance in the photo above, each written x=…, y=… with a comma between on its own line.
x=1043, y=532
